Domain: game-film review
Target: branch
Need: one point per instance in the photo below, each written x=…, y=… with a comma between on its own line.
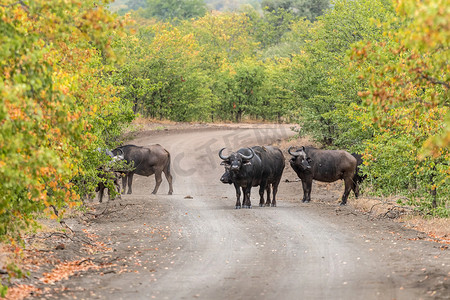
x=14, y=4
x=99, y=214
x=63, y=223
x=435, y=81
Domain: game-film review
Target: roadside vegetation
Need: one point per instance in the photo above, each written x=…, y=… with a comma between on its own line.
x=368, y=76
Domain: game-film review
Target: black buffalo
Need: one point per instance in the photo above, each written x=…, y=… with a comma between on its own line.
x=324, y=165
x=227, y=178
x=146, y=161
x=102, y=185
x=255, y=166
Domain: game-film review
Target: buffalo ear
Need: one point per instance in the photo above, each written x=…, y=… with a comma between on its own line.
x=247, y=163
x=224, y=163
x=303, y=148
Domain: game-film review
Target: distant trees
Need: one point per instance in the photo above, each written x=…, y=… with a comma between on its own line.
x=166, y=10
x=326, y=87
x=309, y=9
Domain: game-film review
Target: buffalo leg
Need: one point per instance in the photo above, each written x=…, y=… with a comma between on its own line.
x=130, y=183
x=274, y=193
x=247, y=203
x=348, y=188
x=307, y=186
x=101, y=190
x=124, y=183
x=262, y=187
x=169, y=179
x=355, y=188
x=268, y=195
x=238, y=196
x=158, y=179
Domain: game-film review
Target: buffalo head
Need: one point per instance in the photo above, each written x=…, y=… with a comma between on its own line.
x=226, y=177
x=120, y=155
x=300, y=159
x=236, y=160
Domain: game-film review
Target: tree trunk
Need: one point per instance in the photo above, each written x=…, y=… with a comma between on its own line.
x=239, y=116
x=433, y=189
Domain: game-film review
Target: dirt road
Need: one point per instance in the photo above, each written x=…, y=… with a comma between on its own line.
x=195, y=245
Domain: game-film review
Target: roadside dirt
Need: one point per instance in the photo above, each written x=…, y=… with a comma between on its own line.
x=195, y=245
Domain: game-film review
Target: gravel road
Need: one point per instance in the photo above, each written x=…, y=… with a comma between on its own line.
x=195, y=245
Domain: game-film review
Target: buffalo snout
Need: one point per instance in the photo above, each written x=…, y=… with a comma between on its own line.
x=226, y=178
x=234, y=168
x=306, y=165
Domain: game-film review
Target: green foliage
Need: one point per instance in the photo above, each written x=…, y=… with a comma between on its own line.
x=326, y=87
x=13, y=271
x=270, y=28
x=167, y=10
x=162, y=76
x=57, y=104
x=310, y=9
x=242, y=84
x=277, y=97
x=407, y=94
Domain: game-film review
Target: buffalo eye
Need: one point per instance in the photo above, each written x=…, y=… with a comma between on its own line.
x=225, y=163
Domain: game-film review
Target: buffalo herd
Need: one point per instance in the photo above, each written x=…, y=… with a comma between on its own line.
x=250, y=167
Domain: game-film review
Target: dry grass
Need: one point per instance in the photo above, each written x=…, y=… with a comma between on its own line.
x=437, y=229
x=294, y=142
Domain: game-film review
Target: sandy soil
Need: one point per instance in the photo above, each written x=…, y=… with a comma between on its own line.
x=195, y=245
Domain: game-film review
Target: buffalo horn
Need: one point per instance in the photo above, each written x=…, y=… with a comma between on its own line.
x=245, y=157
x=121, y=155
x=221, y=156
x=293, y=153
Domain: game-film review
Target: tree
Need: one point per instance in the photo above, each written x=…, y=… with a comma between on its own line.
x=408, y=96
x=163, y=76
x=57, y=104
x=225, y=37
x=326, y=88
x=167, y=10
x=270, y=28
x=310, y=9
x=242, y=85
x=277, y=97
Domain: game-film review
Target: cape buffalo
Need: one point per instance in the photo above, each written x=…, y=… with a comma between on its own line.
x=323, y=165
x=146, y=161
x=109, y=176
x=254, y=166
